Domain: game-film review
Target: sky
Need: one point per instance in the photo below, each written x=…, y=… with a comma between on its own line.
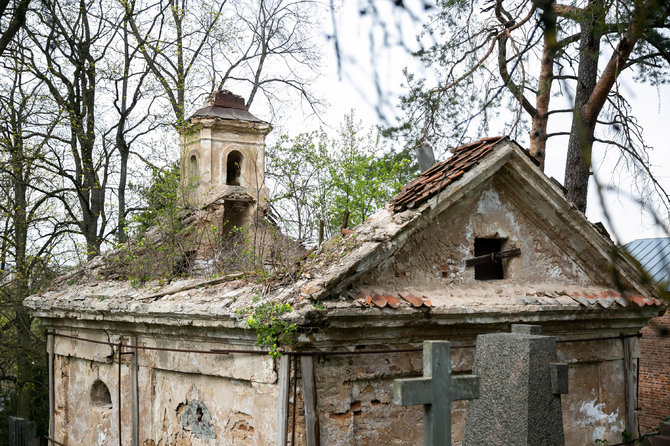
x=352, y=86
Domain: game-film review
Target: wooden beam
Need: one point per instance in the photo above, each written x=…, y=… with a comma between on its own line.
x=282, y=404
x=309, y=400
x=52, y=390
x=630, y=378
x=134, y=392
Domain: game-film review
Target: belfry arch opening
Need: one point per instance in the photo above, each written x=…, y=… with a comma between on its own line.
x=234, y=168
x=193, y=168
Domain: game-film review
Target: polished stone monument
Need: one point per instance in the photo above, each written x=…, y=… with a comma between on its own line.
x=520, y=390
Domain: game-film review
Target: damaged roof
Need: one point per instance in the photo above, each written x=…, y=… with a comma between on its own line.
x=593, y=298
x=444, y=173
x=330, y=275
x=226, y=105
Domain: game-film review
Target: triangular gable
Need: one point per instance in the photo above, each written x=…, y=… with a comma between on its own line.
x=446, y=184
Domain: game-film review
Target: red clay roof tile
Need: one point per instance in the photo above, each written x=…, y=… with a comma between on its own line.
x=611, y=298
x=378, y=300
x=392, y=301
x=363, y=298
x=440, y=175
x=412, y=299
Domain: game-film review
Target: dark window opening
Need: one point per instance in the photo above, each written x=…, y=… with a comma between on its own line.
x=488, y=270
x=234, y=168
x=193, y=168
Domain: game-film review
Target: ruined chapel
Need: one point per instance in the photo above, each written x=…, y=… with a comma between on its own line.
x=176, y=364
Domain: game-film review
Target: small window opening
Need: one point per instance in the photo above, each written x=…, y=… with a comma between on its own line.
x=193, y=168
x=100, y=396
x=234, y=168
x=488, y=270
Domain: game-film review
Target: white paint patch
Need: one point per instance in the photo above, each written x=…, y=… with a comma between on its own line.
x=102, y=435
x=489, y=202
x=595, y=413
x=595, y=417
x=555, y=272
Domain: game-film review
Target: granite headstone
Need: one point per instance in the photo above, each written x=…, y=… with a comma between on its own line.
x=520, y=385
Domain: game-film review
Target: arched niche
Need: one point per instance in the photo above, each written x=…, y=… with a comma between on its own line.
x=100, y=396
x=234, y=164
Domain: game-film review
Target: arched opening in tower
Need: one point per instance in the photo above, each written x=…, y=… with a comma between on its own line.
x=193, y=168
x=234, y=168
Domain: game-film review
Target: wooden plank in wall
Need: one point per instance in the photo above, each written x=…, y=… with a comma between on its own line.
x=134, y=392
x=51, y=344
x=282, y=404
x=309, y=400
x=630, y=370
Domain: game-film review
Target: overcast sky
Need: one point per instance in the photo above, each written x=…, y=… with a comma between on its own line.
x=354, y=87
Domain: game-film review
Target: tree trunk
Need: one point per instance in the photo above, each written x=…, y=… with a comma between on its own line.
x=123, y=177
x=538, y=132
x=21, y=281
x=578, y=161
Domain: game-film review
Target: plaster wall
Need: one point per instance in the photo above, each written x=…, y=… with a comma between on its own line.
x=184, y=398
x=434, y=258
x=236, y=396
x=355, y=399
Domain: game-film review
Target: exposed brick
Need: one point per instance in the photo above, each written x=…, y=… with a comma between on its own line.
x=654, y=390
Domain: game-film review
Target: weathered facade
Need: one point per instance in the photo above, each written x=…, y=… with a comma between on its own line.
x=223, y=154
x=363, y=305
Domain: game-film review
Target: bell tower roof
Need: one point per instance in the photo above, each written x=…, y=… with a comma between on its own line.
x=226, y=105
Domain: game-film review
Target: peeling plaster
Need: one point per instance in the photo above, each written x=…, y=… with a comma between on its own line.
x=595, y=417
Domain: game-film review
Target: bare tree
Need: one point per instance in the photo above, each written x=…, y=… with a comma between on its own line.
x=262, y=46
x=12, y=19
x=484, y=58
x=129, y=91
x=67, y=45
x=172, y=38
x=272, y=53
x=31, y=228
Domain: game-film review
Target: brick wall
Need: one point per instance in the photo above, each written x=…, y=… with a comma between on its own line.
x=654, y=391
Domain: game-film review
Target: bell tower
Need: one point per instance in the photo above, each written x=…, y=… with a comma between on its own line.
x=223, y=156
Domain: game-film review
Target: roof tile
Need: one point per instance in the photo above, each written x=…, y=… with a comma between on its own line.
x=607, y=299
x=440, y=175
x=412, y=299
x=377, y=299
x=392, y=301
x=364, y=298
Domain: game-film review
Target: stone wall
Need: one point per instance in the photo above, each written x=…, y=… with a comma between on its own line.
x=435, y=257
x=206, y=399
x=654, y=399
x=355, y=400
x=184, y=398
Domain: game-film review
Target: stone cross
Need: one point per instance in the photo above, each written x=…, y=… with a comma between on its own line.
x=435, y=390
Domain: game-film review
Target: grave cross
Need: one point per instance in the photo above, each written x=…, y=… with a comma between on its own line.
x=435, y=390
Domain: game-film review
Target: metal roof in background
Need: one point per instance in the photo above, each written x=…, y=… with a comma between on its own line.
x=654, y=256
